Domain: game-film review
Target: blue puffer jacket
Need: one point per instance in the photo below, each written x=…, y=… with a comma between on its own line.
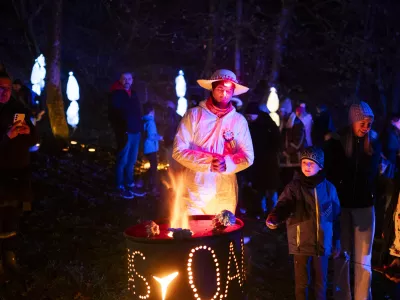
x=312, y=216
x=151, y=136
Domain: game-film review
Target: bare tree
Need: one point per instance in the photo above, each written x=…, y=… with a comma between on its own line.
x=55, y=102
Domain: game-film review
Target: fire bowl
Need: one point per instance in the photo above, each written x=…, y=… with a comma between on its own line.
x=209, y=265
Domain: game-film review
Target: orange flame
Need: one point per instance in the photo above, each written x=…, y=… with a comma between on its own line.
x=179, y=217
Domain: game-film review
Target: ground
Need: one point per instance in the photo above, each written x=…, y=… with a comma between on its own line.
x=71, y=245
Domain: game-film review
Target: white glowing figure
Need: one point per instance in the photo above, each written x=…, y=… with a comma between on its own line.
x=180, y=88
x=273, y=105
x=73, y=96
x=275, y=117
x=73, y=114
x=36, y=88
x=72, y=88
x=164, y=282
x=38, y=74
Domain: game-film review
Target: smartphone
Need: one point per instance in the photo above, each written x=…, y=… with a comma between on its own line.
x=19, y=117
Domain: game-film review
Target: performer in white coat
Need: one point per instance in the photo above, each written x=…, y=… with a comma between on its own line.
x=213, y=143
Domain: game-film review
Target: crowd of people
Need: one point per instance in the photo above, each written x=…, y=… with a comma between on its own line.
x=338, y=188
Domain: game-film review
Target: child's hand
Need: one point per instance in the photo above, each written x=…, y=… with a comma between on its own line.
x=336, y=249
x=271, y=222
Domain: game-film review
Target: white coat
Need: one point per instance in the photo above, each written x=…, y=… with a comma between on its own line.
x=200, y=134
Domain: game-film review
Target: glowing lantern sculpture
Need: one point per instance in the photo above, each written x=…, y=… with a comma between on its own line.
x=38, y=74
x=180, y=88
x=73, y=96
x=273, y=105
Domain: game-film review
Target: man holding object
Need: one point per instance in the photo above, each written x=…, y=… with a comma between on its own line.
x=213, y=143
x=17, y=135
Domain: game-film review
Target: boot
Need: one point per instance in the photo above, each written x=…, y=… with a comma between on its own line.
x=10, y=262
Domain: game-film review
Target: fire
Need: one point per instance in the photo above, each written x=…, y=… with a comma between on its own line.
x=164, y=282
x=179, y=216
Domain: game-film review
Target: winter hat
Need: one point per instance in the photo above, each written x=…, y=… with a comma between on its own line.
x=359, y=112
x=315, y=154
x=220, y=75
x=252, y=109
x=286, y=106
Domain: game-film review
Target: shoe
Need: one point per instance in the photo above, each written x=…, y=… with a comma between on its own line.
x=126, y=193
x=10, y=262
x=136, y=191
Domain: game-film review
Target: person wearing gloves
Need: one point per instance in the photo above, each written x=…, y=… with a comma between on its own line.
x=352, y=164
x=213, y=143
x=310, y=206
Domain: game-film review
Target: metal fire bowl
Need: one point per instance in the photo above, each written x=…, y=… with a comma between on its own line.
x=209, y=266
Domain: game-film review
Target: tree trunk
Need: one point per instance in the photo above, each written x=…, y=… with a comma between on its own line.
x=55, y=103
x=211, y=42
x=281, y=35
x=239, y=12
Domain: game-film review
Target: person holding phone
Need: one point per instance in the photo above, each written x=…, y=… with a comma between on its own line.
x=17, y=135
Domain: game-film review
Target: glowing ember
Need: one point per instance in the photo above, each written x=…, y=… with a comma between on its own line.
x=164, y=282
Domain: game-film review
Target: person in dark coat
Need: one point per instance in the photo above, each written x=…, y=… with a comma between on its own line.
x=15, y=189
x=352, y=160
x=261, y=178
x=293, y=141
x=323, y=125
x=125, y=117
x=310, y=206
x=172, y=122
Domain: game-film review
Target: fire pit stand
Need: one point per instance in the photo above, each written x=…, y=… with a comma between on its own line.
x=210, y=265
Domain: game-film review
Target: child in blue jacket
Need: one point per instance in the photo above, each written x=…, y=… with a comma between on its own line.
x=310, y=206
x=151, y=139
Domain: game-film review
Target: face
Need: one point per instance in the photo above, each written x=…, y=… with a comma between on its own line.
x=5, y=90
x=361, y=128
x=251, y=117
x=126, y=80
x=309, y=167
x=396, y=123
x=16, y=87
x=223, y=92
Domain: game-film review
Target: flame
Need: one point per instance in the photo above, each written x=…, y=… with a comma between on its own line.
x=179, y=216
x=164, y=282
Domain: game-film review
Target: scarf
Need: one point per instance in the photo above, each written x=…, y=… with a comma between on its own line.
x=312, y=181
x=219, y=112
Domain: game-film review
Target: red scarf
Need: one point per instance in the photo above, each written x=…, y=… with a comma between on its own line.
x=219, y=112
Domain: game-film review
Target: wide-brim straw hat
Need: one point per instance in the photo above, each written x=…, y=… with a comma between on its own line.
x=223, y=75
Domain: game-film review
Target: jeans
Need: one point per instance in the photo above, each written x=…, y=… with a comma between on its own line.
x=302, y=264
x=126, y=160
x=357, y=236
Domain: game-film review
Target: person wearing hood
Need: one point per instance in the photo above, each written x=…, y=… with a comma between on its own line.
x=150, y=148
x=125, y=117
x=293, y=139
x=213, y=143
x=352, y=159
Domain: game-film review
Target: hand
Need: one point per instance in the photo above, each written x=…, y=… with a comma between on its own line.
x=218, y=164
x=40, y=115
x=24, y=128
x=14, y=131
x=271, y=222
x=393, y=276
x=336, y=249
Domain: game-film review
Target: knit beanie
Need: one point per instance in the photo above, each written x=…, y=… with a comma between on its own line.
x=315, y=154
x=359, y=112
